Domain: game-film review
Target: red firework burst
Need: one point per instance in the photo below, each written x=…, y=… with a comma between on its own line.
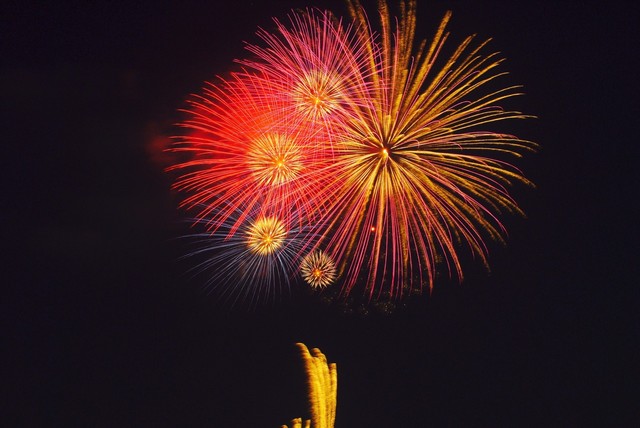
x=246, y=152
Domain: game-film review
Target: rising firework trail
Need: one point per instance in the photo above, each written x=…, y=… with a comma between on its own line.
x=246, y=152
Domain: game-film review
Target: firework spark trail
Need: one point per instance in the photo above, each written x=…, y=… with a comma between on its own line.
x=318, y=269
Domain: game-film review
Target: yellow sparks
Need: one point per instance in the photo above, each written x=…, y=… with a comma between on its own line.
x=318, y=269
x=317, y=94
x=275, y=159
x=266, y=235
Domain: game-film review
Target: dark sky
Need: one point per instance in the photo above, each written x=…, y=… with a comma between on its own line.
x=103, y=328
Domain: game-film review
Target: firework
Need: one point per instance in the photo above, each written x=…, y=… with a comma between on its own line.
x=322, y=380
x=275, y=160
x=315, y=66
x=413, y=176
x=245, y=152
x=250, y=258
x=384, y=154
x=265, y=235
x=318, y=270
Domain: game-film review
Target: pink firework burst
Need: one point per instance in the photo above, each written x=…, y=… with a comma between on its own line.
x=315, y=66
x=417, y=174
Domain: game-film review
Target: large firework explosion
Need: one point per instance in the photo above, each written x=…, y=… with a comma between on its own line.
x=315, y=68
x=380, y=151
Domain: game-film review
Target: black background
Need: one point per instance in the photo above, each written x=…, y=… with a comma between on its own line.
x=102, y=328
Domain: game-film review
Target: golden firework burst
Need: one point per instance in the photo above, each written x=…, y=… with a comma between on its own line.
x=418, y=163
x=274, y=159
x=318, y=269
x=322, y=379
x=317, y=94
x=266, y=235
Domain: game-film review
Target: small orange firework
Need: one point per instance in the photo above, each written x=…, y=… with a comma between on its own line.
x=318, y=269
x=275, y=159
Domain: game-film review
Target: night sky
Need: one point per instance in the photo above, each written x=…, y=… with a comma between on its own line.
x=102, y=326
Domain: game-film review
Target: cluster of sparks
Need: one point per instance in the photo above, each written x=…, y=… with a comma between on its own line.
x=318, y=269
x=342, y=154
